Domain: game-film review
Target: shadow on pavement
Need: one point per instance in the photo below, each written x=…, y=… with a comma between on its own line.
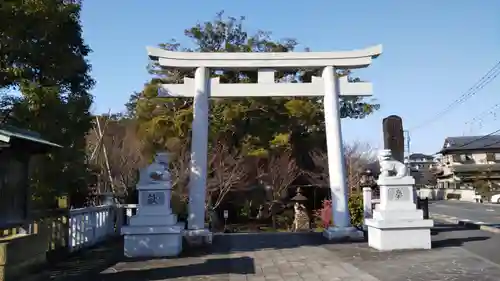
x=441, y=228
x=225, y=243
x=222, y=266
x=91, y=264
x=457, y=242
x=82, y=264
x=447, y=227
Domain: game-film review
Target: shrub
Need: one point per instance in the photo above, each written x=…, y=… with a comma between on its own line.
x=356, y=209
x=179, y=207
x=245, y=212
x=285, y=219
x=355, y=203
x=324, y=215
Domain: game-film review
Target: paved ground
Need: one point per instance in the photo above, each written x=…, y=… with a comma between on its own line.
x=477, y=242
x=250, y=257
x=488, y=214
x=290, y=264
x=458, y=254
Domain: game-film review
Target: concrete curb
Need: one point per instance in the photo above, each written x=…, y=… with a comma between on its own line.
x=466, y=223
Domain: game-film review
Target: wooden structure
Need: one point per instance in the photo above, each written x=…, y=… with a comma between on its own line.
x=22, y=243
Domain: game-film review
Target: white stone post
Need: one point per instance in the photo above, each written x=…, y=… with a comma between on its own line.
x=199, y=147
x=336, y=162
x=367, y=202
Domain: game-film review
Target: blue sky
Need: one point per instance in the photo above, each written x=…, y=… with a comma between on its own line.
x=434, y=51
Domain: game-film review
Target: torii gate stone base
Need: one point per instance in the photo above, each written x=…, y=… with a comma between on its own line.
x=329, y=85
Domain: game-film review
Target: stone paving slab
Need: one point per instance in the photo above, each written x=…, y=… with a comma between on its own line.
x=310, y=263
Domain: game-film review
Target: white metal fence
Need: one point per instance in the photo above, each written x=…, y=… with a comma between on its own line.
x=91, y=225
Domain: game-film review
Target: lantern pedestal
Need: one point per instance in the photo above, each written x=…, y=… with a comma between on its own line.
x=153, y=231
x=397, y=224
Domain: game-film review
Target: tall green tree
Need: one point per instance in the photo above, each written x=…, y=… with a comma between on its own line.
x=43, y=57
x=252, y=124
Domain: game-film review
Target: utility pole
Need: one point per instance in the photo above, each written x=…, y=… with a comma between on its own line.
x=407, y=153
x=406, y=134
x=407, y=138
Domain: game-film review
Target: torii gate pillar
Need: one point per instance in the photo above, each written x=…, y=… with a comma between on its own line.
x=202, y=87
x=199, y=146
x=335, y=153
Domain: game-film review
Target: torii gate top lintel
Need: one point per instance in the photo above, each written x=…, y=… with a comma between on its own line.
x=343, y=59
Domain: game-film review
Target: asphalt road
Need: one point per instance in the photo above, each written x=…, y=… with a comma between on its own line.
x=483, y=213
x=481, y=243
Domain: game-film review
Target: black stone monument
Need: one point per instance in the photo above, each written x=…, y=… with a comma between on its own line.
x=393, y=136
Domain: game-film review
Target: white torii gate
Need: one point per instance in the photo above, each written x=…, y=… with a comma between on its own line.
x=329, y=85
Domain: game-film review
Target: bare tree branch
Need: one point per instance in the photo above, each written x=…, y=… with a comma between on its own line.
x=226, y=173
x=319, y=176
x=179, y=171
x=357, y=157
x=280, y=171
x=123, y=153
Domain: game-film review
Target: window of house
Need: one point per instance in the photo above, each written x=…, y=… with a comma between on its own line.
x=465, y=157
x=497, y=156
x=456, y=158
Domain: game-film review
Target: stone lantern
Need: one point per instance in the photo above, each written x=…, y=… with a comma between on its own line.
x=367, y=178
x=301, y=219
x=368, y=181
x=299, y=197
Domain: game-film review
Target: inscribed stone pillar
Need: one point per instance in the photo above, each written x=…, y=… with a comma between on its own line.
x=393, y=136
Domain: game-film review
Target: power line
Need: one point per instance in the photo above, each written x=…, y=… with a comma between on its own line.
x=479, y=118
x=485, y=80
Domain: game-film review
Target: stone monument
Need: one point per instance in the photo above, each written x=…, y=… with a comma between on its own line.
x=393, y=136
x=397, y=224
x=153, y=231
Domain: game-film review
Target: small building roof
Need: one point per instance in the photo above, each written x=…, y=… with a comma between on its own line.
x=10, y=133
x=490, y=142
x=417, y=156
